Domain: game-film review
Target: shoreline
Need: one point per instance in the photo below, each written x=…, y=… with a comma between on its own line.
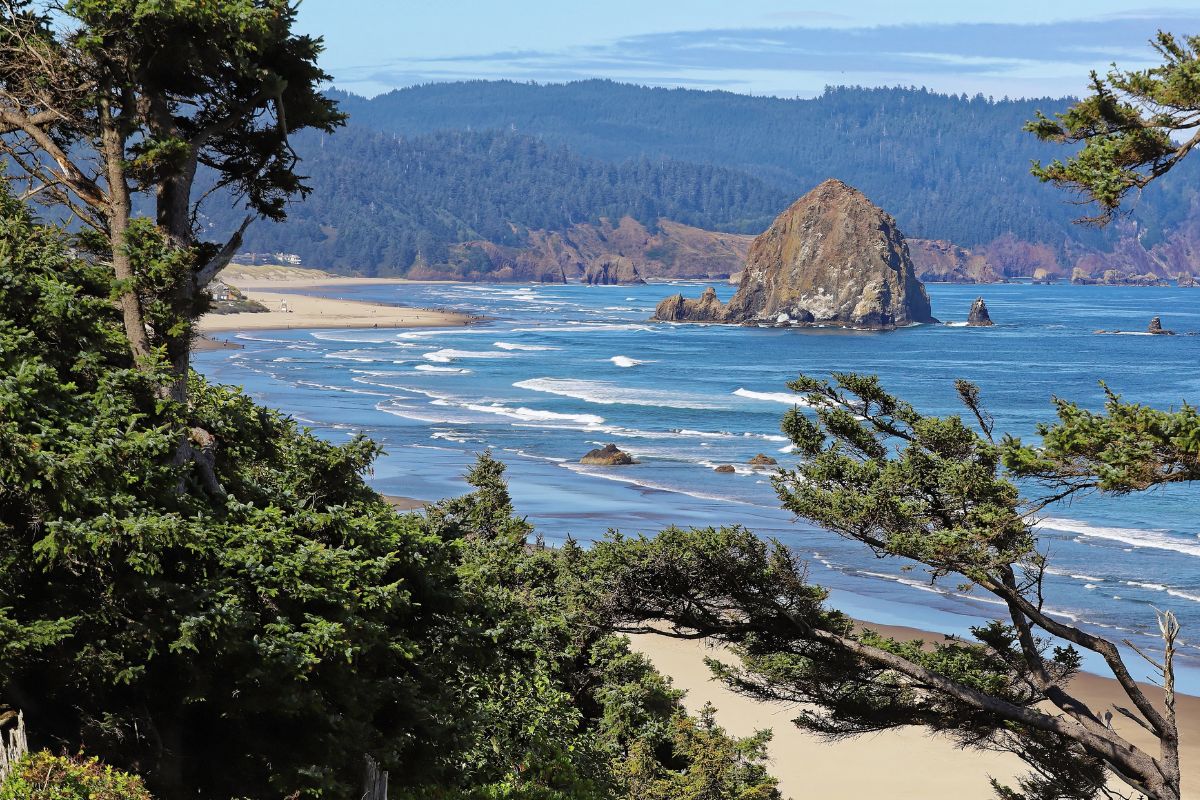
x=808, y=766
x=314, y=313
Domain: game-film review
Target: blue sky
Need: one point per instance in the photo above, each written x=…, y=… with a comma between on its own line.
x=1018, y=48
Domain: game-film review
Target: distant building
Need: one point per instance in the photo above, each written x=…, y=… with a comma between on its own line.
x=289, y=259
x=219, y=290
x=222, y=292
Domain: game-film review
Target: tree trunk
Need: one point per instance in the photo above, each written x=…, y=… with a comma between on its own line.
x=174, y=218
x=120, y=208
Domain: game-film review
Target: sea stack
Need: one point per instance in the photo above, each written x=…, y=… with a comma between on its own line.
x=979, y=317
x=832, y=258
x=1156, y=328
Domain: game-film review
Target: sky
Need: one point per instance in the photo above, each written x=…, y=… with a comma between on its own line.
x=1014, y=48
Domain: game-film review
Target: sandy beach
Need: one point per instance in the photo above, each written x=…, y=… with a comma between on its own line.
x=264, y=276
x=900, y=765
x=323, y=312
x=274, y=287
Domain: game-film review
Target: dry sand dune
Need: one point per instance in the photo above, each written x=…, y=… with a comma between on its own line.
x=904, y=764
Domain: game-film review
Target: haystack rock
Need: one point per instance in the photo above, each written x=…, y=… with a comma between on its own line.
x=1157, y=329
x=762, y=460
x=979, y=316
x=607, y=456
x=832, y=258
x=612, y=271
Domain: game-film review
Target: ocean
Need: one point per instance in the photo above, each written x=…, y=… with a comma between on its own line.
x=562, y=369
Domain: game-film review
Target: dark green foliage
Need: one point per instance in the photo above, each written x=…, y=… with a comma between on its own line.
x=1135, y=127
x=561, y=708
x=1128, y=448
x=279, y=634
x=224, y=81
x=42, y=776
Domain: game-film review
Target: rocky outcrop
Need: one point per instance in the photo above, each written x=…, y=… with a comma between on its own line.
x=612, y=271
x=935, y=260
x=1157, y=329
x=678, y=308
x=832, y=258
x=1113, y=277
x=1042, y=275
x=762, y=460
x=724, y=468
x=1185, y=281
x=979, y=316
x=672, y=250
x=1014, y=258
x=607, y=456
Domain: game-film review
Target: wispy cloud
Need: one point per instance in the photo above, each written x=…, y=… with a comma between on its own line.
x=1014, y=59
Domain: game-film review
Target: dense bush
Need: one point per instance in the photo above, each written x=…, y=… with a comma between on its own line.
x=43, y=776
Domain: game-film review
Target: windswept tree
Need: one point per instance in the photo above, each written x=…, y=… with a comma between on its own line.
x=1135, y=127
x=105, y=100
x=938, y=493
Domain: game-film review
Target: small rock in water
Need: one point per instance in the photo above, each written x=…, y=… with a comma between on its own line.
x=979, y=317
x=607, y=456
x=1156, y=328
x=725, y=468
x=762, y=460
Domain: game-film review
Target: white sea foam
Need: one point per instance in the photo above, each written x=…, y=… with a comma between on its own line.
x=773, y=397
x=354, y=337
x=626, y=361
x=247, y=337
x=606, y=393
x=330, y=388
x=529, y=414
x=1157, y=539
x=361, y=356
x=601, y=472
x=576, y=327
x=955, y=324
x=448, y=354
x=442, y=370
x=530, y=347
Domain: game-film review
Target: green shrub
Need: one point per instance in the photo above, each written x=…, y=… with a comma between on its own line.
x=42, y=776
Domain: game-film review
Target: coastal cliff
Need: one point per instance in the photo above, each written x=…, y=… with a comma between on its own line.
x=612, y=271
x=832, y=258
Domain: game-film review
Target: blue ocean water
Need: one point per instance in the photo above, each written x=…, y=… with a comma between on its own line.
x=562, y=369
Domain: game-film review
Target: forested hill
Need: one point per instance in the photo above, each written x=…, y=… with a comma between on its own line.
x=946, y=166
x=426, y=168
x=380, y=199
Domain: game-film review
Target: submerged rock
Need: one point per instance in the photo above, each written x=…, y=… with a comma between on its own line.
x=1156, y=328
x=607, y=456
x=612, y=271
x=979, y=317
x=832, y=258
x=762, y=460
